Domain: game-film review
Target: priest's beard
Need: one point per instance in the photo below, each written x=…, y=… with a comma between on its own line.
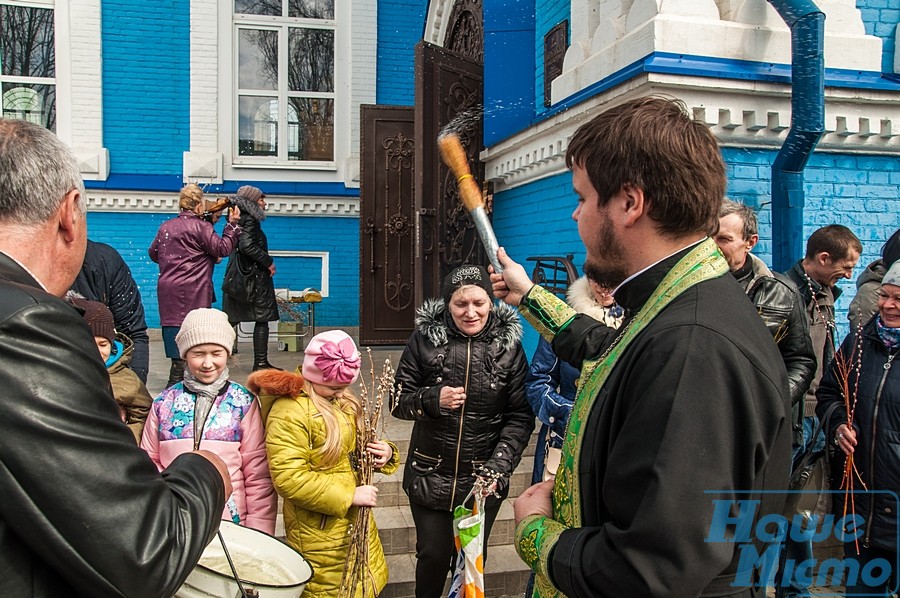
x=606, y=257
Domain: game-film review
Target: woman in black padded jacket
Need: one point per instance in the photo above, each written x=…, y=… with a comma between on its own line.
x=461, y=380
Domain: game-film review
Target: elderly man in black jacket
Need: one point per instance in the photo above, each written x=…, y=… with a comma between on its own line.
x=774, y=296
x=84, y=509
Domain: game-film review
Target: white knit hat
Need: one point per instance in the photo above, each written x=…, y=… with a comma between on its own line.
x=202, y=326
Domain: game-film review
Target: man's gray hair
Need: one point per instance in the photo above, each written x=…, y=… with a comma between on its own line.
x=37, y=170
x=747, y=214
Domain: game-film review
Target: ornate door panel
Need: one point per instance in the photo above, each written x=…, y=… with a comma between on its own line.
x=448, y=92
x=387, y=220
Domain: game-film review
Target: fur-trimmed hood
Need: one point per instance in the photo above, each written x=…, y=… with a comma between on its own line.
x=271, y=385
x=434, y=323
x=251, y=208
x=580, y=297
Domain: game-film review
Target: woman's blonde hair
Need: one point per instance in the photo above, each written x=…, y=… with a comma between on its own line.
x=191, y=196
x=348, y=403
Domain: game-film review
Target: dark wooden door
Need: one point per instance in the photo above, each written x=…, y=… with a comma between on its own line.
x=448, y=90
x=387, y=225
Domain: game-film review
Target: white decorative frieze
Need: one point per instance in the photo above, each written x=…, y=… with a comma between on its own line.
x=740, y=114
x=278, y=205
x=627, y=32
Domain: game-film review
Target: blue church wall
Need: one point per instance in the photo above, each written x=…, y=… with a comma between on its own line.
x=131, y=235
x=508, y=82
x=536, y=219
x=400, y=27
x=146, y=85
x=858, y=191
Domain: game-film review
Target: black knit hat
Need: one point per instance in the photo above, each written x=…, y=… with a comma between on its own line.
x=466, y=275
x=98, y=317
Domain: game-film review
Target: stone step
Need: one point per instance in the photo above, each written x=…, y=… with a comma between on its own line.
x=504, y=574
x=398, y=532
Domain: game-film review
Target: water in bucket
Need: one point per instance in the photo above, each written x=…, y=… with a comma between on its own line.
x=265, y=565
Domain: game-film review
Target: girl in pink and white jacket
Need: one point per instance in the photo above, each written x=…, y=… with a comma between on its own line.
x=208, y=411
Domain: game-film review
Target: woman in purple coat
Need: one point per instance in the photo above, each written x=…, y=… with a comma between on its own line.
x=186, y=249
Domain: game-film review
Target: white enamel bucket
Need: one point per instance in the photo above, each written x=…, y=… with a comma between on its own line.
x=278, y=570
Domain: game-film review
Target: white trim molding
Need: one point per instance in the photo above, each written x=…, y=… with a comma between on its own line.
x=436, y=22
x=740, y=114
x=155, y=202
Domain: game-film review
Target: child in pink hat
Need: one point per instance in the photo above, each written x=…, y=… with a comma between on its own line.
x=311, y=420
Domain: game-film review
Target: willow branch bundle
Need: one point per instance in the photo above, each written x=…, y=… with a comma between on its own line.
x=845, y=365
x=357, y=578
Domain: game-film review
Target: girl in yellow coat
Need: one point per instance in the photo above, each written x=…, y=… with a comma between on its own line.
x=311, y=421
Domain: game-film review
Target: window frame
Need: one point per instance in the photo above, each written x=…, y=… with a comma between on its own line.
x=282, y=25
x=50, y=81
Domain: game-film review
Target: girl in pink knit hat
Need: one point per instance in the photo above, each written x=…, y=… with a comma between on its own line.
x=311, y=421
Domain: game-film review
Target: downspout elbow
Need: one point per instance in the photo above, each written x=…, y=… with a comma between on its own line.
x=807, y=23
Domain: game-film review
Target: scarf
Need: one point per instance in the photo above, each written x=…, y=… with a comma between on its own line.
x=206, y=396
x=889, y=336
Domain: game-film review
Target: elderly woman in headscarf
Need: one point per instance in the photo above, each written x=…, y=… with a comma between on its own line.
x=863, y=366
x=461, y=380
x=187, y=249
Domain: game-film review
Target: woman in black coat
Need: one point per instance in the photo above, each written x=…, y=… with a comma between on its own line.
x=249, y=292
x=461, y=379
x=872, y=438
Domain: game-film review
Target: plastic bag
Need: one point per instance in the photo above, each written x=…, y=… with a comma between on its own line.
x=468, y=531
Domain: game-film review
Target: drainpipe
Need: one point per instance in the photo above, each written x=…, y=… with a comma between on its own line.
x=807, y=24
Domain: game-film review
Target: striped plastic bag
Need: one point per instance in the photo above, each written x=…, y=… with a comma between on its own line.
x=468, y=530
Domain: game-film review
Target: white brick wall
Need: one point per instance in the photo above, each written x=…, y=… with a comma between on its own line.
x=203, y=163
x=204, y=75
x=364, y=36
x=80, y=84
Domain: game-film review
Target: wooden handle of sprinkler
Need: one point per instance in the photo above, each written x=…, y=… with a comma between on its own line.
x=454, y=156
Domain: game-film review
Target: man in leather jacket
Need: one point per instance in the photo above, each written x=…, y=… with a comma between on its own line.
x=775, y=297
x=831, y=254
x=84, y=509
